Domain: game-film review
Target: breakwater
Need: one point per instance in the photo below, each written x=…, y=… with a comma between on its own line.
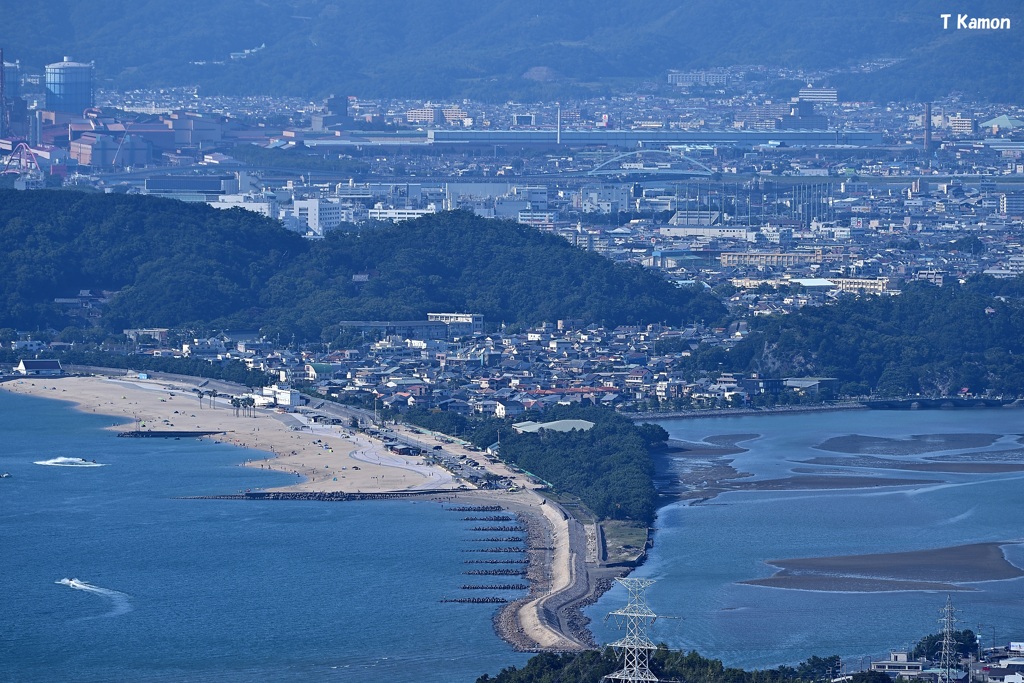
x=324, y=496
x=941, y=403
x=166, y=434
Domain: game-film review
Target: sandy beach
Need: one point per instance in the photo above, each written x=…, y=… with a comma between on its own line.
x=322, y=458
x=335, y=458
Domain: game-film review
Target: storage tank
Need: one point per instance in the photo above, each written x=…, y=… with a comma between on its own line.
x=69, y=86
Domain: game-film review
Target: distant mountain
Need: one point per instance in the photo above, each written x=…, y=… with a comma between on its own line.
x=503, y=48
x=175, y=264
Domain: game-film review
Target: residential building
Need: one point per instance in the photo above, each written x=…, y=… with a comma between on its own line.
x=320, y=215
x=812, y=94
x=962, y=125
x=40, y=368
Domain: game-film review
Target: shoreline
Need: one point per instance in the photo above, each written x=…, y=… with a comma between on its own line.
x=743, y=412
x=332, y=462
x=336, y=463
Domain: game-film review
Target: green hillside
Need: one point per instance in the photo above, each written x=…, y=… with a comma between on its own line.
x=500, y=49
x=929, y=340
x=174, y=264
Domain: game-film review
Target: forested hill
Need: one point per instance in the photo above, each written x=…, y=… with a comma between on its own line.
x=928, y=340
x=521, y=49
x=174, y=264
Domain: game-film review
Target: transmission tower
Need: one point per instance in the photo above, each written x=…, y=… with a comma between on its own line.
x=636, y=646
x=948, y=658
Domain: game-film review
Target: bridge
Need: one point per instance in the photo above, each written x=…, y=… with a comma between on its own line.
x=651, y=162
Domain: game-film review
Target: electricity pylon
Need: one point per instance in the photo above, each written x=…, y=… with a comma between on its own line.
x=636, y=646
x=948, y=658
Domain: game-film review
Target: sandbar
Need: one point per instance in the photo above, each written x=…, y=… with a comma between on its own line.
x=933, y=569
x=822, y=482
x=951, y=466
x=918, y=444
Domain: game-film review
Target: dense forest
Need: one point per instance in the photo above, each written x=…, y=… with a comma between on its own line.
x=172, y=264
x=527, y=49
x=928, y=340
x=608, y=467
x=179, y=265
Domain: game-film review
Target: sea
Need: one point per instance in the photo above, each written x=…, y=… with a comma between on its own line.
x=108, y=573
x=702, y=551
x=111, y=573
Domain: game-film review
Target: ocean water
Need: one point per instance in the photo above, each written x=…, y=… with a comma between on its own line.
x=108, y=576
x=702, y=551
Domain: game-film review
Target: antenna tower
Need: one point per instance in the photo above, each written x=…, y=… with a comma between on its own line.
x=948, y=658
x=635, y=646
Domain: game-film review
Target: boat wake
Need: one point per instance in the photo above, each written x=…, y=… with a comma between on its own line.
x=119, y=603
x=70, y=462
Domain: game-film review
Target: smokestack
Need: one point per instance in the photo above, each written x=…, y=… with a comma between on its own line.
x=3, y=96
x=558, y=134
x=927, y=127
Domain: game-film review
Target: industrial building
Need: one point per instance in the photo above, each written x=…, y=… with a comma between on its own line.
x=192, y=188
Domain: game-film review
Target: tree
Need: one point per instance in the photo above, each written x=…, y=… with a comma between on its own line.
x=930, y=647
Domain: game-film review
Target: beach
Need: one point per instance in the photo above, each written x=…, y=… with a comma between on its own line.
x=322, y=458
x=333, y=459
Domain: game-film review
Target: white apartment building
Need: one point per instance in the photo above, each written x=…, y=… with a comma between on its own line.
x=321, y=215
x=812, y=94
x=379, y=213
x=265, y=205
